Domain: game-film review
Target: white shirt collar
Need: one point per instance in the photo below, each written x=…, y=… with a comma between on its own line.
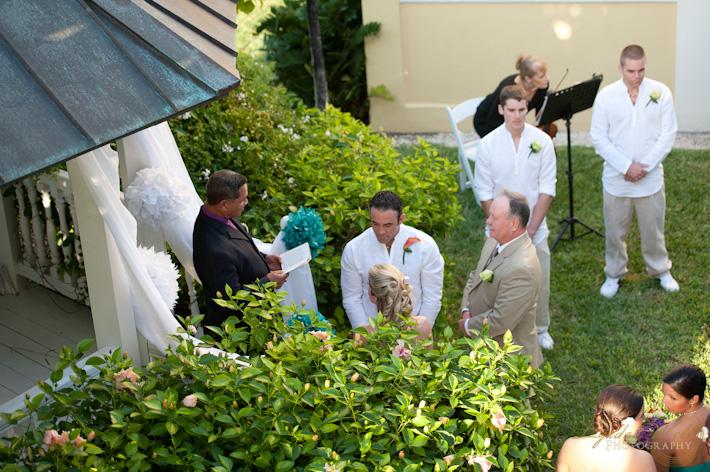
x=501, y=247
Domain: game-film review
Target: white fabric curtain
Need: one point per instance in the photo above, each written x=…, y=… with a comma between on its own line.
x=163, y=198
x=153, y=317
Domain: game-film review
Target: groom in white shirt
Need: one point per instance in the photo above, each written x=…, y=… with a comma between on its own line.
x=521, y=158
x=633, y=129
x=388, y=241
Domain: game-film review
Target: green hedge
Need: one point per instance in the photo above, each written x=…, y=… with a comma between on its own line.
x=306, y=404
x=294, y=155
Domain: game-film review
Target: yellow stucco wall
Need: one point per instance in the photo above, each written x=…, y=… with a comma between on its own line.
x=430, y=55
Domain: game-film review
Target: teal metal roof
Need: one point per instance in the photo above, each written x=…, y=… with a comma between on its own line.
x=76, y=74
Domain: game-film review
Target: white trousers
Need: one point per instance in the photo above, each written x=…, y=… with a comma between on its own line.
x=650, y=214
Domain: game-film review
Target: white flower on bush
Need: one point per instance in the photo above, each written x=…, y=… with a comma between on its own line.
x=241, y=96
x=265, y=195
x=206, y=174
x=186, y=116
x=401, y=351
x=327, y=133
x=498, y=420
x=190, y=401
x=291, y=181
x=227, y=149
x=322, y=335
x=244, y=139
x=284, y=129
x=125, y=375
x=307, y=118
x=481, y=461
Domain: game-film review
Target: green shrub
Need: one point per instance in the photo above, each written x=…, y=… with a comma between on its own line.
x=297, y=156
x=306, y=404
x=343, y=37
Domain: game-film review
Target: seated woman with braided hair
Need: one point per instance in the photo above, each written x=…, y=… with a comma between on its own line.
x=619, y=413
x=390, y=292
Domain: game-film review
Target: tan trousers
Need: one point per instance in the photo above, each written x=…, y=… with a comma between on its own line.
x=543, y=299
x=650, y=214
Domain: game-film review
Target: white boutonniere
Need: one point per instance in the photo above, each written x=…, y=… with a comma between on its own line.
x=654, y=96
x=703, y=434
x=535, y=147
x=486, y=276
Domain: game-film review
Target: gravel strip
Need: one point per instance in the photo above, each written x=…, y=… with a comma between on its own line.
x=682, y=140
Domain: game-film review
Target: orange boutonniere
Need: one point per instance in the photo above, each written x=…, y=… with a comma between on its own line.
x=408, y=246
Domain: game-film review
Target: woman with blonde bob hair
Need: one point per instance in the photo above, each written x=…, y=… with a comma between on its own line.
x=390, y=292
x=618, y=413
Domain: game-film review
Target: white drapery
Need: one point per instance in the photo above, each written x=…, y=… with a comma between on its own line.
x=162, y=197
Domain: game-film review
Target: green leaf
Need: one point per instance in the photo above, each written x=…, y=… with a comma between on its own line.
x=418, y=441
x=221, y=380
x=93, y=449
x=226, y=462
x=154, y=404
x=172, y=428
x=95, y=361
x=84, y=345
x=284, y=465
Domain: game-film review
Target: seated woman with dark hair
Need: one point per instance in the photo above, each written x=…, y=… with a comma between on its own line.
x=531, y=76
x=390, y=292
x=618, y=413
x=682, y=444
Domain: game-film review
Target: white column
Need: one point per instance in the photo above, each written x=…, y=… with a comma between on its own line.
x=108, y=284
x=692, y=95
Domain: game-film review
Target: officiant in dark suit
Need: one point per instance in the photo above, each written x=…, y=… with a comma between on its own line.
x=223, y=251
x=502, y=291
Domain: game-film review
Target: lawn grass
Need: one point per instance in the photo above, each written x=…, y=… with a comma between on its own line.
x=642, y=332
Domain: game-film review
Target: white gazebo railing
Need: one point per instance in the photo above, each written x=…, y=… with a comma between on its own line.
x=48, y=237
x=50, y=248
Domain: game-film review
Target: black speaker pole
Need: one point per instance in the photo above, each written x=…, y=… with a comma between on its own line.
x=569, y=222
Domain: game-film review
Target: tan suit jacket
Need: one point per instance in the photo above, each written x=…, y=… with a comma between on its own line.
x=509, y=301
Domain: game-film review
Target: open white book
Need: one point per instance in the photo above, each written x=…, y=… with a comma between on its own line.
x=295, y=258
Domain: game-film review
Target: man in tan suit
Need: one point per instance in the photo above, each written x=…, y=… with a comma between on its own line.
x=503, y=289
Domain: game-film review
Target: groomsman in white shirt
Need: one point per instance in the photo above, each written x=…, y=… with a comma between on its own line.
x=520, y=157
x=633, y=129
x=389, y=241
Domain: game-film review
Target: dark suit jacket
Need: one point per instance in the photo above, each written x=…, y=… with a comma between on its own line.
x=224, y=256
x=509, y=301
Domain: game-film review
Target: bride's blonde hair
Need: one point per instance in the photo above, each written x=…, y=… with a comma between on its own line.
x=389, y=287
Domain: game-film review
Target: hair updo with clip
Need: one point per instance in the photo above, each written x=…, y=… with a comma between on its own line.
x=614, y=404
x=389, y=287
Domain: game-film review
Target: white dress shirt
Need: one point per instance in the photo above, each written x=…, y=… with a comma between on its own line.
x=424, y=267
x=623, y=132
x=499, y=165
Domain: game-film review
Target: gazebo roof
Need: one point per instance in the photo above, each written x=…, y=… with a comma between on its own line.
x=77, y=74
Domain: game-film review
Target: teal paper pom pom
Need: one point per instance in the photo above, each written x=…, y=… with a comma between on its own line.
x=304, y=226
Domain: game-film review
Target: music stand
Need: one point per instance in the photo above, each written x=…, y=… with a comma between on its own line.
x=562, y=105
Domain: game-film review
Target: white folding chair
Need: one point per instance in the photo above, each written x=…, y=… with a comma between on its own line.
x=467, y=149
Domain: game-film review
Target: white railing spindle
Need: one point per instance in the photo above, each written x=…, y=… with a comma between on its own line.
x=36, y=223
